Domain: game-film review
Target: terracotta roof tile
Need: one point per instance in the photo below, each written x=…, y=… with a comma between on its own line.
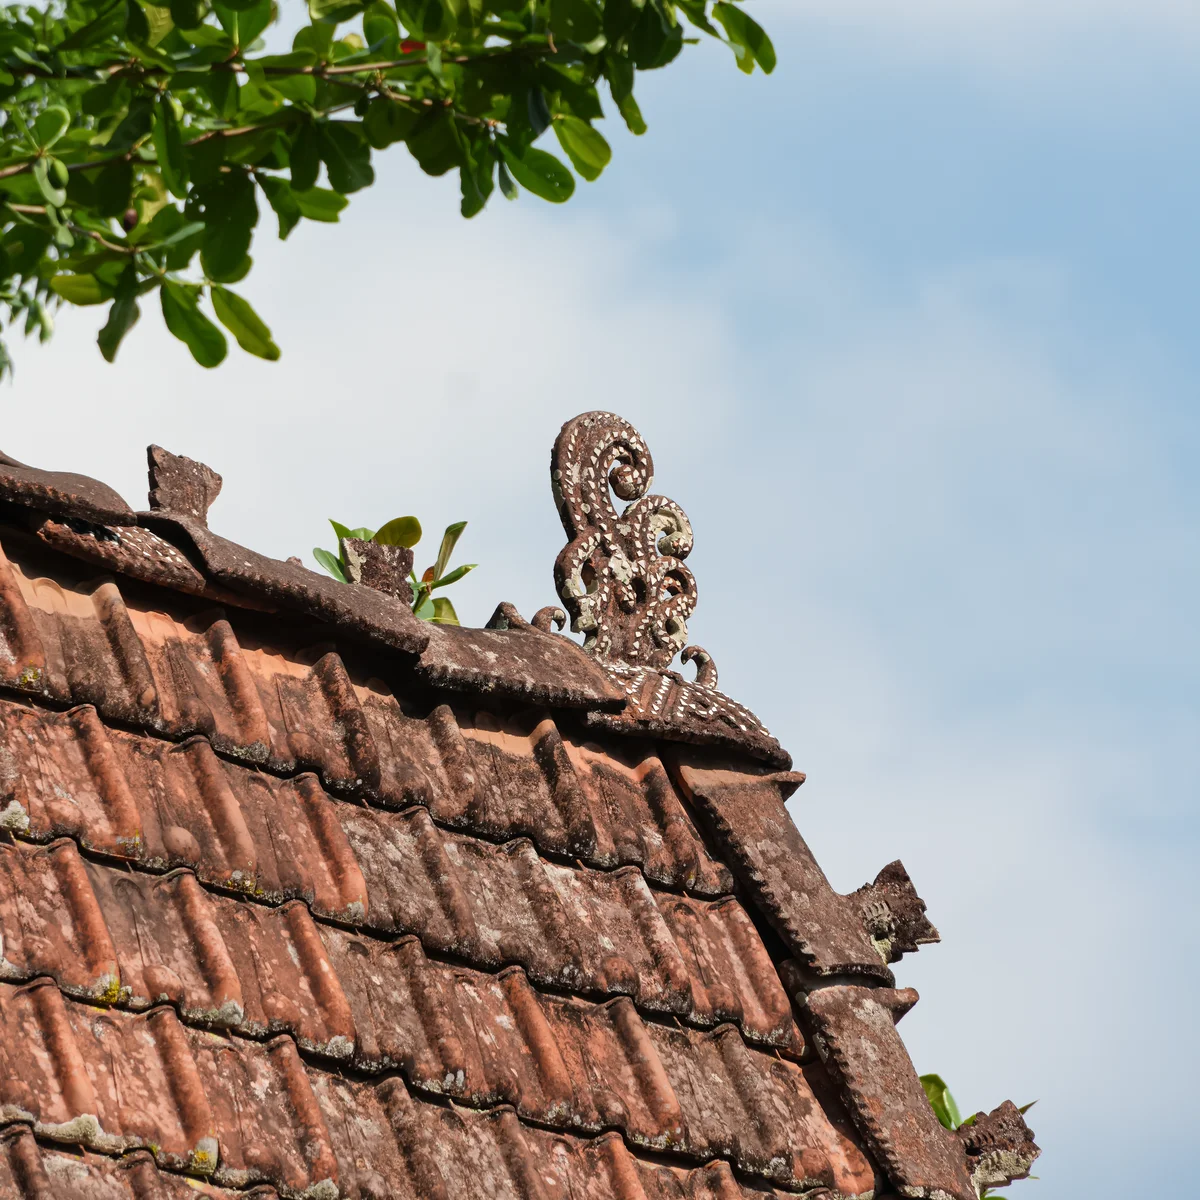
x=301, y=897
x=595, y=932
x=185, y=1095
x=854, y=1029
x=85, y=645
x=29, y=1171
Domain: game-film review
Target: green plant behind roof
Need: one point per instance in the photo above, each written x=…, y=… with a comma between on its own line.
x=406, y=531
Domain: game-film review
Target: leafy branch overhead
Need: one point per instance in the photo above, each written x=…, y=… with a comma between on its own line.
x=406, y=531
x=141, y=142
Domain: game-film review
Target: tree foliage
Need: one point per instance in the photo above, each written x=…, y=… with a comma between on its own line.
x=141, y=144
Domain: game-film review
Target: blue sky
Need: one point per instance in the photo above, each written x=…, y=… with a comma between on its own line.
x=909, y=327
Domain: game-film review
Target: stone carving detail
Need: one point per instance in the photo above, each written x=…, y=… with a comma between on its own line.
x=999, y=1146
x=621, y=576
x=181, y=485
x=894, y=915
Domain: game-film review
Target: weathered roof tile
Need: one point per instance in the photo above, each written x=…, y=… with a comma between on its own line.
x=303, y=896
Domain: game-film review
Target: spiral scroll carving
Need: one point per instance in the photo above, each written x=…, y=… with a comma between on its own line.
x=621, y=576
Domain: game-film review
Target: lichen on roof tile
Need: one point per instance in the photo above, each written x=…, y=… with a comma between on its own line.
x=301, y=897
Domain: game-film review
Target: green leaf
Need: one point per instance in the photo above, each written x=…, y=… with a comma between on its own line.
x=317, y=38
x=168, y=146
x=347, y=156
x=333, y=11
x=454, y=576
x=509, y=189
x=428, y=20
x=244, y=323
x=434, y=144
x=50, y=125
x=538, y=172
x=80, y=289
x=941, y=1101
x=400, y=531
x=122, y=316
x=187, y=14
x=657, y=37
x=114, y=188
x=137, y=28
x=305, y=158
x=252, y=20
x=344, y=531
x=52, y=193
x=320, y=204
x=574, y=20
x=746, y=33
x=449, y=541
x=331, y=564
x=282, y=200
x=423, y=607
x=443, y=612
x=380, y=26
x=388, y=121
x=632, y=114
x=160, y=23
x=24, y=246
x=476, y=173
x=181, y=312
x=695, y=10
x=538, y=111
x=180, y=234
x=1026, y=1107
x=586, y=148
x=230, y=213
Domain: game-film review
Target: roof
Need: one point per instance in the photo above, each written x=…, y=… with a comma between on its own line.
x=303, y=897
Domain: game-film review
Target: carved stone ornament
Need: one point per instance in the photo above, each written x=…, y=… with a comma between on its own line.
x=621, y=576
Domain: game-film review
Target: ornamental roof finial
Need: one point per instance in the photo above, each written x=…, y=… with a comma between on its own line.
x=621, y=576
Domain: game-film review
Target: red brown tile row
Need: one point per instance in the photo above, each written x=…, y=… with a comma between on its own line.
x=242, y=1112
x=138, y=940
x=568, y=1169
x=177, y=677
x=110, y=935
x=200, y=1102
x=164, y=805
x=32, y=1171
